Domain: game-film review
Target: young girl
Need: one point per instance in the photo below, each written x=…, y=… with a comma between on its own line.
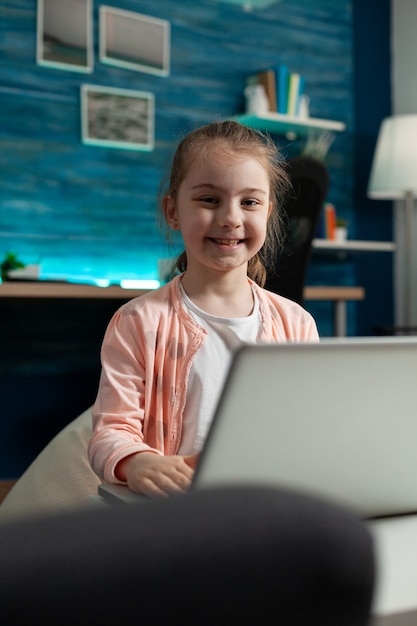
x=165, y=355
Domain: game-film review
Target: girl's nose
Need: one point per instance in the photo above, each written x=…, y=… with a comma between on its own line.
x=229, y=214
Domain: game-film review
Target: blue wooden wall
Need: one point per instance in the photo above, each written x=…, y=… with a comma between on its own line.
x=372, y=86
x=89, y=213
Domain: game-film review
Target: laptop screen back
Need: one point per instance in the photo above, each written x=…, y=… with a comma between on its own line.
x=336, y=419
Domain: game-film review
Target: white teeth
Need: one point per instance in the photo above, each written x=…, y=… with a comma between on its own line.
x=227, y=242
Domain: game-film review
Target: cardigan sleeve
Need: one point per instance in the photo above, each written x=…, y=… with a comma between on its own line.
x=119, y=410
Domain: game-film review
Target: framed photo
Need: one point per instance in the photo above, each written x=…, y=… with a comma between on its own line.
x=117, y=118
x=134, y=41
x=64, y=35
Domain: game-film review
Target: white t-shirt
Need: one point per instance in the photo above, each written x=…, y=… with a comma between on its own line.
x=210, y=367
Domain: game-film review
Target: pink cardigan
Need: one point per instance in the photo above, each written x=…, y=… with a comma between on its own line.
x=146, y=358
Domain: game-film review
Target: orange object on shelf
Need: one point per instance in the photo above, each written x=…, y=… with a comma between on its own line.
x=330, y=220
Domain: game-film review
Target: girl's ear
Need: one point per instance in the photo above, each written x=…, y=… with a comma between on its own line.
x=270, y=209
x=170, y=212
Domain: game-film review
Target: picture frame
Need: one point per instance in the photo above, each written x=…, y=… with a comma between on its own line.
x=117, y=118
x=134, y=41
x=64, y=37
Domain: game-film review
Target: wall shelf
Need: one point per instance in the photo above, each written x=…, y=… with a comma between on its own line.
x=284, y=124
x=352, y=245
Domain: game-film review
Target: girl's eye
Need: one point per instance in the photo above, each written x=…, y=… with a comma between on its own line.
x=250, y=202
x=208, y=199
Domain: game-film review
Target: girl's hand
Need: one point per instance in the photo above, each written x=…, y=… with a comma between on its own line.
x=155, y=475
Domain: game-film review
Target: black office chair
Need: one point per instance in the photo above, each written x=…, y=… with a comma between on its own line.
x=242, y=555
x=310, y=182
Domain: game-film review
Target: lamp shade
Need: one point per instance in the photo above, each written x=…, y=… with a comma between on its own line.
x=394, y=167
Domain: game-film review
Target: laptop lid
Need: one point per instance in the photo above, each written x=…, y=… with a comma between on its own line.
x=336, y=419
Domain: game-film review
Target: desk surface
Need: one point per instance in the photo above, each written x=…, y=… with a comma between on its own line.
x=45, y=289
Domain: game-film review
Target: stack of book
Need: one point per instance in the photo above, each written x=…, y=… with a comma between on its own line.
x=284, y=89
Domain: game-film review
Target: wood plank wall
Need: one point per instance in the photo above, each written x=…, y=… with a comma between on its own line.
x=89, y=212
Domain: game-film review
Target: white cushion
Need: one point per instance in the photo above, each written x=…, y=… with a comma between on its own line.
x=59, y=478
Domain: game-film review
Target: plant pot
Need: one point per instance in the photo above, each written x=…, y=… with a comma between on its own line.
x=341, y=233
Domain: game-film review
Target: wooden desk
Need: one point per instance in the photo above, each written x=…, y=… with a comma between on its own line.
x=339, y=296
x=44, y=289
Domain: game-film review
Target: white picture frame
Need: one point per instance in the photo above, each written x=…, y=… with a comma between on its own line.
x=117, y=118
x=134, y=41
x=64, y=36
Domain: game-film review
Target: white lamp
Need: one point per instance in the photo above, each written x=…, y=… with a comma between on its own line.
x=394, y=177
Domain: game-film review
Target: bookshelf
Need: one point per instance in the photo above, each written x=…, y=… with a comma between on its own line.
x=284, y=124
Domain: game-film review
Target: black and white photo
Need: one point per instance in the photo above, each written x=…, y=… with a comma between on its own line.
x=117, y=118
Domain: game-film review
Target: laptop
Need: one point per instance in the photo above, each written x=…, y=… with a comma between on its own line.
x=336, y=419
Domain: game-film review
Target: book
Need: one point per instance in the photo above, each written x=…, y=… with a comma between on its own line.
x=300, y=95
x=282, y=75
x=293, y=93
x=330, y=220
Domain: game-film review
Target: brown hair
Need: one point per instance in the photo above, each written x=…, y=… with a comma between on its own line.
x=246, y=141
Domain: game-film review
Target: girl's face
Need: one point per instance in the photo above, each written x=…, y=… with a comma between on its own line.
x=222, y=209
